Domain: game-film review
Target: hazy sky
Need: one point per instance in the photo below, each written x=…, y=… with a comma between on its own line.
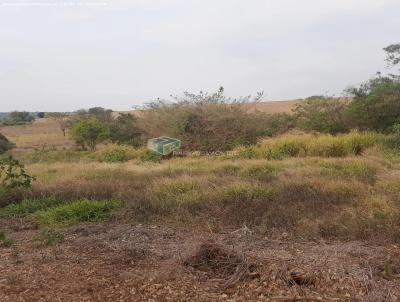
x=64, y=55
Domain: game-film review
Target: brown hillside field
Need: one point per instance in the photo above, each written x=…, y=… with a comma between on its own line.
x=40, y=134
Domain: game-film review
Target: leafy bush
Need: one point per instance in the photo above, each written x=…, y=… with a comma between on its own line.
x=322, y=114
x=204, y=122
x=392, y=141
x=87, y=133
x=13, y=174
x=5, y=144
x=116, y=155
x=148, y=155
x=124, y=130
x=75, y=212
x=376, y=104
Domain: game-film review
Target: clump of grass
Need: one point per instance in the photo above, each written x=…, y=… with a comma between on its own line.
x=148, y=155
x=172, y=194
x=358, y=170
x=243, y=203
x=29, y=206
x=4, y=241
x=263, y=172
x=49, y=237
x=78, y=211
x=323, y=145
x=229, y=169
x=246, y=193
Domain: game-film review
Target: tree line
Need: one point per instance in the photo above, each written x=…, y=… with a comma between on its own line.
x=214, y=122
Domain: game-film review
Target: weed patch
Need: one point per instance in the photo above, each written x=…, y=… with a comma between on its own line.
x=29, y=206
x=75, y=212
x=176, y=193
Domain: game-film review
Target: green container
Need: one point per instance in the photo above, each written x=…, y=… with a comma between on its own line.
x=164, y=145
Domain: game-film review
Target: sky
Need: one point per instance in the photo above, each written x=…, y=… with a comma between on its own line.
x=64, y=55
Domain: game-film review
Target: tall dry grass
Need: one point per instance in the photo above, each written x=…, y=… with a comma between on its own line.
x=307, y=197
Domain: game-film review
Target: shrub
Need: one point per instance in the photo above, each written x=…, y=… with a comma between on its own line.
x=392, y=141
x=116, y=155
x=87, y=133
x=75, y=212
x=322, y=114
x=148, y=155
x=123, y=130
x=13, y=174
x=204, y=122
x=376, y=104
x=5, y=144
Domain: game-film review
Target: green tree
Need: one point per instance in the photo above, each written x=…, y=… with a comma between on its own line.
x=376, y=104
x=124, y=130
x=322, y=114
x=87, y=133
x=393, y=54
x=18, y=118
x=103, y=115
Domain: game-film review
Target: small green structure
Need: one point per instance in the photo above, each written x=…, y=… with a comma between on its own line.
x=164, y=145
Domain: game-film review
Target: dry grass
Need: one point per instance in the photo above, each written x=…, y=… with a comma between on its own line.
x=42, y=133
x=313, y=197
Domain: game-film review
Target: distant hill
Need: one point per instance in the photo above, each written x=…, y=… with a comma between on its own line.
x=274, y=106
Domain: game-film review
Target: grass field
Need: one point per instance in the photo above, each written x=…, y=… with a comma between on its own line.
x=294, y=217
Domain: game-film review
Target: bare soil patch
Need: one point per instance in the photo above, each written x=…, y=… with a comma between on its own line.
x=120, y=262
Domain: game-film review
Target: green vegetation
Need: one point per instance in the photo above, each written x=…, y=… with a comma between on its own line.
x=354, y=143
x=87, y=133
x=18, y=118
x=77, y=211
x=5, y=144
x=13, y=174
x=116, y=155
x=322, y=114
x=29, y=206
x=124, y=130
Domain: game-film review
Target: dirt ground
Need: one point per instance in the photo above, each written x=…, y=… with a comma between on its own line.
x=115, y=262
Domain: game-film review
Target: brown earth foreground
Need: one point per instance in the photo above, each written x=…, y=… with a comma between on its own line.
x=120, y=262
